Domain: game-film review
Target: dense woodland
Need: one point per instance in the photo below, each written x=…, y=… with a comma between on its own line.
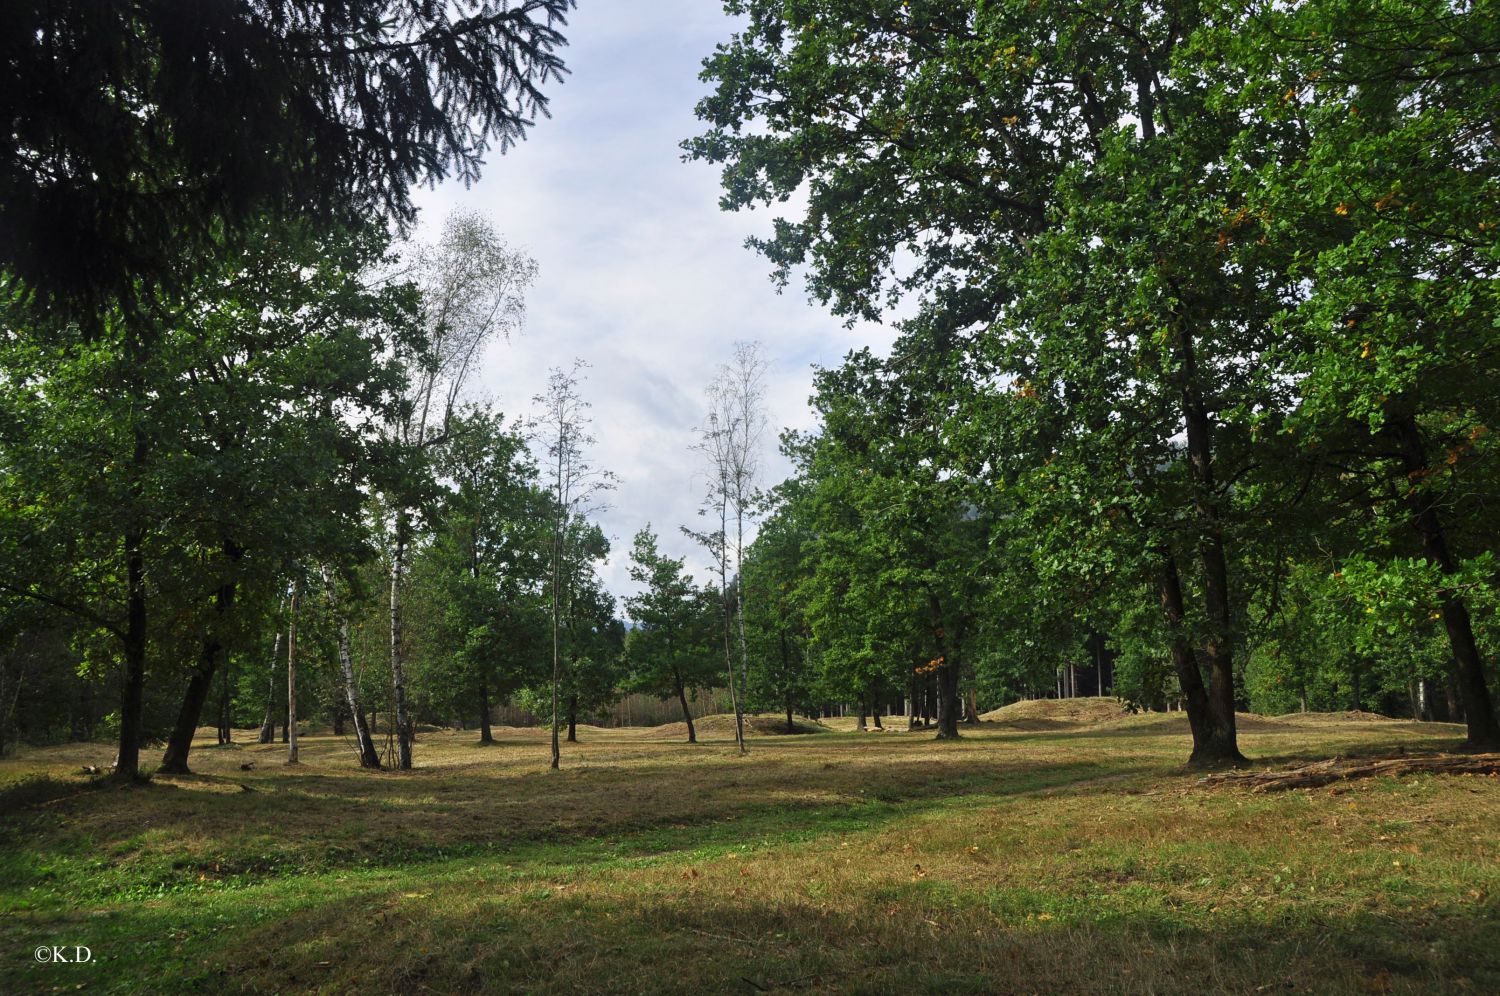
x=1192, y=403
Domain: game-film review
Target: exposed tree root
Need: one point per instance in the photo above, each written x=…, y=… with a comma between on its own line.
x=1340, y=769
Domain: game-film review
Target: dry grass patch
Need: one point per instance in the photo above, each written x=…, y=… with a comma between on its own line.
x=1081, y=859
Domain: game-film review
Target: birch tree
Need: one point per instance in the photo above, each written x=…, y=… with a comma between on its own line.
x=714, y=444
x=473, y=291
x=562, y=426
x=738, y=395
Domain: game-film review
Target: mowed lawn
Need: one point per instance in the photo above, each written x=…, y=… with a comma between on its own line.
x=1066, y=849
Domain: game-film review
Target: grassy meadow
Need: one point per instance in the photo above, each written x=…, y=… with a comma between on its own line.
x=1059, y=847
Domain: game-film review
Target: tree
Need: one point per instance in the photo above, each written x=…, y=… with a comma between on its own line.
x=561, y=425
x=1378, y=196
x=141, y=137
x=774, y=613
x=737, y=406
x=1044, y=180
x=668, y=643
x=486, y=564
x=472, y=288
x=241, y=444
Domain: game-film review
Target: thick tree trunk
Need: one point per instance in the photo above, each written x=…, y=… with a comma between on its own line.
x=175, y=760
x=573, y=718
x=875, y=711
x=791, y=725
x=687, y=714
x=200, y=684
x=1479, y=713
x=1223, y=743
x=1206, y=748
x=486, y=735
x=948, y=705
x=404, y=731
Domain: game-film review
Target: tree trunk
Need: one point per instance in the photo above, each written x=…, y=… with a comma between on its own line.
x=948, y=700
x=1223, y=744
x=573, y=718
x=687, y=714
x=912, y=707
x=971, y=705
x=268, y=725
x=174, y=760
x=1484, y=731
x=486, y=735
x=404, y=731
x=226, y=728
x=791, y=725
x=200, y=684
x=1189, y=674
x=875, y=711
x=556, y=625
x=291, y=681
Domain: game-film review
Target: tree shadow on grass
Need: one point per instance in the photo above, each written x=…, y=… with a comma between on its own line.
x=688, y=931
x=183, y=832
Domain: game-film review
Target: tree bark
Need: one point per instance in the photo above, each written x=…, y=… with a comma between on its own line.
x=1189, y=674
x=1223, y=743
x=687, y=714
x=486, y=734
x=1479, y=714
x=573, y=718
x=369, y=757
x=948, y=700
x=200, y=684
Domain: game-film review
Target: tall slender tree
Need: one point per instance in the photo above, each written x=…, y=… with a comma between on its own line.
x=561, y=426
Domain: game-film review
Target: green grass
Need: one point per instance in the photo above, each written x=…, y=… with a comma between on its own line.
x=1076, y=857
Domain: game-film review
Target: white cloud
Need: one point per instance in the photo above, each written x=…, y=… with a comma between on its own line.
x=641, y=274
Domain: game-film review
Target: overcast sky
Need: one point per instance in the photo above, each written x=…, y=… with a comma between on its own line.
x=642, y=275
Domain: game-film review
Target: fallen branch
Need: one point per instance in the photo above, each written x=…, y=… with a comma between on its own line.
x=1339, y=769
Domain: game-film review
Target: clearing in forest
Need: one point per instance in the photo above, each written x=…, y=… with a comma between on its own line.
x=1080, y=857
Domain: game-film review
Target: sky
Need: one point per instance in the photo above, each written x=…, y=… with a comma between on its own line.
x=641, y=275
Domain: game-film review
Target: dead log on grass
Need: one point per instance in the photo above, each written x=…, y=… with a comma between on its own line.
x=1339, y=769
